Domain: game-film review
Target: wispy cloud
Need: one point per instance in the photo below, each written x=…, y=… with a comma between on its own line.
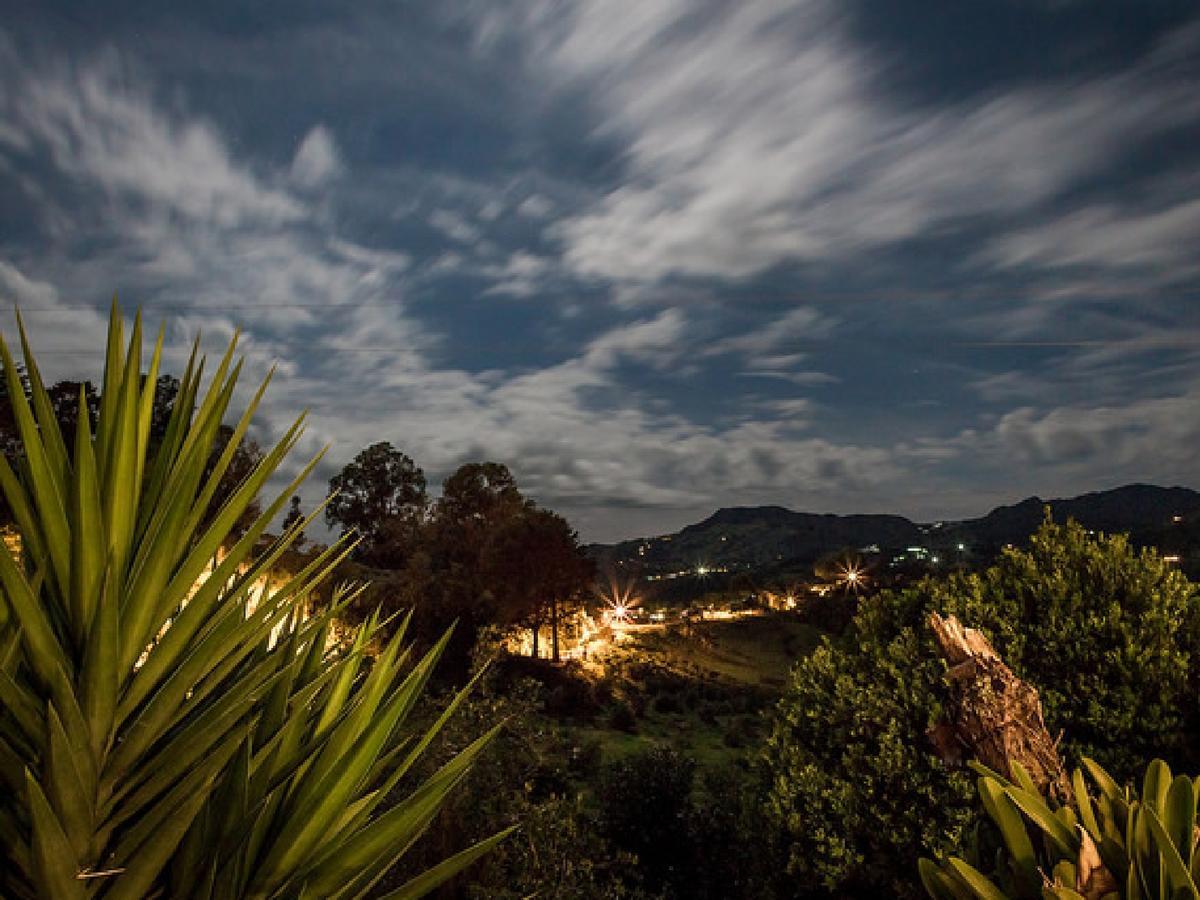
x=756, y=134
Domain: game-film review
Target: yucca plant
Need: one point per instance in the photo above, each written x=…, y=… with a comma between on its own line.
x=163, y=734
x=1112, y=843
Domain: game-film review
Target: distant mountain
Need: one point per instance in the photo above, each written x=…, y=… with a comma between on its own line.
x=1136, y=508
x=753, y=537
x=750, y=537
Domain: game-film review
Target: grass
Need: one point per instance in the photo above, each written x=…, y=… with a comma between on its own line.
x=756, y=650
x=701, y=690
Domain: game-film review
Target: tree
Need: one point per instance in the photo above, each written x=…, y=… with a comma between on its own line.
x=380, y=496
x=536, y=566
x=166, y=390
x=64, y=398
x=479, y=491
x=1109, y=636
x=294, y=516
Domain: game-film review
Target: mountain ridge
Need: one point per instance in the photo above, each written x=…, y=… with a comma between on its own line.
x=749, y=537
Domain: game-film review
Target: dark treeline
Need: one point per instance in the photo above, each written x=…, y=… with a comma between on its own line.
x=481, y=554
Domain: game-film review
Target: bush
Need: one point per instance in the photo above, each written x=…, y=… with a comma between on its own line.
x=644, y=803
x=667, y=703
x=622, y=718
x=1107, y=634
x=558, y=853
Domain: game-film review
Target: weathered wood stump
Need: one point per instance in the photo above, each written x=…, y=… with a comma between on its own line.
x=993, y=715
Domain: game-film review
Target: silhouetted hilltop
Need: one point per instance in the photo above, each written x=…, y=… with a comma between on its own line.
x=749, y=537
x=1135, y=508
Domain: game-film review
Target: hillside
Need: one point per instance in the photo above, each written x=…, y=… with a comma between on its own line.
x=750, y=538
x=1141, y=509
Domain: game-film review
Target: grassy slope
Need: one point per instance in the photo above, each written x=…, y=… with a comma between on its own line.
x=744, y=662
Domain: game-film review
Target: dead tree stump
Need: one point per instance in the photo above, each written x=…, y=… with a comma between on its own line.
x=993, y=715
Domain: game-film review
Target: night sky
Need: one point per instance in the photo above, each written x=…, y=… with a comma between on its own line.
x=657, y=256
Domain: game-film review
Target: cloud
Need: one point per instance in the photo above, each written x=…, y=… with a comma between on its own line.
x=317, y=160
x=535, y=206
x=454, y=226
x=16, y=288
x=1149, y=438
x=97, y=124
x=758, y=134
x=1158, y=244
x=797, y=327
x=238, y=243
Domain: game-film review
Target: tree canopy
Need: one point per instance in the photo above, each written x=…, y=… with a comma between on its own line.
x=379, y=495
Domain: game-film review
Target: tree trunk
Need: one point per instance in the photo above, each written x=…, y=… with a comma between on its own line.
x=537, y=626
x=993, y=715
x=554, y=629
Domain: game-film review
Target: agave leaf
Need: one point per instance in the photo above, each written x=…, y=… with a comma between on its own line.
x=937, y=883
x=1064, y=838
x=1012, y=830
x=19, y=502
x=53, y=860
x=372, y=848
x=43, y=409
x=121, y=486
x=1155, y=784
x=1177, y=874
x=982, y=887
x=114, y=373
x=196, y=615
x=151, y=856
x=66, y=788
x=431, y=879
x=1087, y=814
x=172, y=438
x=23, y=707
x=1180, y=816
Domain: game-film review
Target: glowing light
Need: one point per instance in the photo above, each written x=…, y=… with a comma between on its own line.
x=620, y=602
x=851, y=576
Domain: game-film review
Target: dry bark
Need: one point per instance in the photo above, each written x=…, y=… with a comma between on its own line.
x=993, y=715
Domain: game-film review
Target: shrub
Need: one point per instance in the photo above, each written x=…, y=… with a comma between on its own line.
x=160, y=741
x=1107, y=634
x=667, y=703
x=622, y=718
x=644, y=803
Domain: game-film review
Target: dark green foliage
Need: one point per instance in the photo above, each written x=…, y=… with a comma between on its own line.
x=623, y=718
x=380, y=497
x=644, y=806
x=1107, y=634
x=855, y=787
x=526, y=777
